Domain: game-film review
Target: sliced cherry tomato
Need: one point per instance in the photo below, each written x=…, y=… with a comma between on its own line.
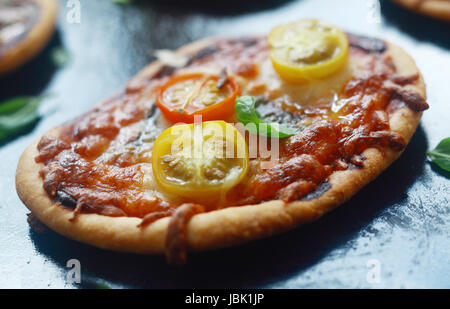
x=307, y=49
x=185, y=96
x=200, y=160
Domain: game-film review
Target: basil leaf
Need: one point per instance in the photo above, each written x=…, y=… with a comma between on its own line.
x=441, y=154
x=60, y=57
x=247, y=114
x=94, y=284
x=122, y=2
x=13, y=105
x=18, y=114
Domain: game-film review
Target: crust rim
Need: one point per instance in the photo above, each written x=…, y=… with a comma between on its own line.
x=434, y=8
x=34, y=41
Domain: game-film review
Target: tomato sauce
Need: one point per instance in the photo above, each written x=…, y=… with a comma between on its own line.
x=77, y=175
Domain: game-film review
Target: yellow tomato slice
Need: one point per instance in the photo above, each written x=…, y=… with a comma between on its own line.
x=200, y=160
x=307, y=49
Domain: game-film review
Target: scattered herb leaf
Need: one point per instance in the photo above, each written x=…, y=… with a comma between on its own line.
x=12, y=105
x=18, y=114
x=103, y=286
x=94, y=284
x=441, y=154
x=247, y=114
x=60, y=56
x=122, y=2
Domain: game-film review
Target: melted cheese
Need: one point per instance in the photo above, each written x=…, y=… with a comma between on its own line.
x=308, y=94
x=267, y=82
x=319, y=93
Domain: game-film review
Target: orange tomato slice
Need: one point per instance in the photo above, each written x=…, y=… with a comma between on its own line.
x=185, y=96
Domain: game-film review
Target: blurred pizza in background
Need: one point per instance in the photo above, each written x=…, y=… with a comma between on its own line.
x=25, y=28
x=434, y=8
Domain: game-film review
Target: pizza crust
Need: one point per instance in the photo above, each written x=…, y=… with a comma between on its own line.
x=220, y=228
x=434, y=8
x=34, y=41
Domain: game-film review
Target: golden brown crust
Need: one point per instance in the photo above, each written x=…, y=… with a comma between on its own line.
x=34, y=41
x=225, y=227
x=434, y=8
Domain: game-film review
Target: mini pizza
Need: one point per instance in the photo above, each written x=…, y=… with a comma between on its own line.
x=25, y=28
x=434, y=8
x=243, y=138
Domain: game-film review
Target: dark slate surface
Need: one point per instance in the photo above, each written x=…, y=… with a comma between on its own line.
x=401, y=221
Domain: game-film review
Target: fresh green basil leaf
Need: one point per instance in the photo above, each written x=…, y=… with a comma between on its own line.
x=103, y=286
x=247, y=115
x=94, y=284
x=122, y=2
x=441, y=154
x=18, y=115
x=60, y=57
x=12, y=105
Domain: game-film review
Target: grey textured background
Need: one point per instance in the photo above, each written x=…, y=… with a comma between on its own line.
x=402, y=219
